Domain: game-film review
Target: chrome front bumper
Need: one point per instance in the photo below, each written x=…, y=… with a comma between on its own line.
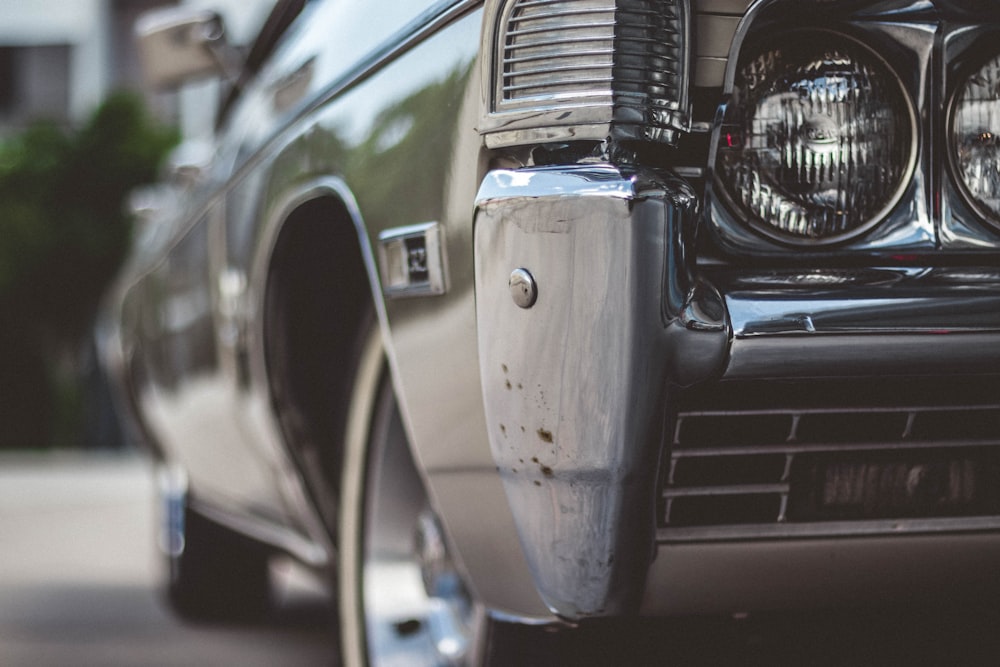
x=578, y=379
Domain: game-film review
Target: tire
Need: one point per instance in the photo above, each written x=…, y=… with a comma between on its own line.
x=217, y=575
x=386, y=615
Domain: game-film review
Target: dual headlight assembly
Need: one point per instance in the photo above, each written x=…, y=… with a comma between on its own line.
x=818, y=144
x=820, y=140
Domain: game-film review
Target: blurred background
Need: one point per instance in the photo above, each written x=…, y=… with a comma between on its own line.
x=78, y=133
x=79, y=571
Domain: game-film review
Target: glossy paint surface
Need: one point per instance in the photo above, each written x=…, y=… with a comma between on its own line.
x=536, y=426
x=389, y=131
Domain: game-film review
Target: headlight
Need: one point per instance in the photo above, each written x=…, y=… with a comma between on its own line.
x=818, y=143
x=975, y=138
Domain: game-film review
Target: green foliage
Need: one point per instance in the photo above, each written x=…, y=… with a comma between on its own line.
x=63, y=227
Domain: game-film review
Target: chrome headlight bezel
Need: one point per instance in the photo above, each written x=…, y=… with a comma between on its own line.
x=910, y=145
x=964, y=225
x=961, y=76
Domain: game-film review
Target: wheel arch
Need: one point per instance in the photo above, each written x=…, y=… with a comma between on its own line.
x=319, y=296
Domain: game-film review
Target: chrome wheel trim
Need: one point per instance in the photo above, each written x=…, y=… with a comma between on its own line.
x=386, y=615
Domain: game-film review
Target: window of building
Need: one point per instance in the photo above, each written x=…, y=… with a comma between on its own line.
x=34, y=83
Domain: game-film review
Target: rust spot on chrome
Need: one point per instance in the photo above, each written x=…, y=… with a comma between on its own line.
x=508, y=385
x=547, y=471
x=544, y=436
x=503, y=429
x=504, y=367
x=537, y=483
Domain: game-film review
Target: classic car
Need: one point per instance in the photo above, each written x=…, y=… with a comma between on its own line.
x=555, y=312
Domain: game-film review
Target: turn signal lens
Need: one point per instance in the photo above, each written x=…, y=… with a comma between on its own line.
x=975, y=138
x=818, y=142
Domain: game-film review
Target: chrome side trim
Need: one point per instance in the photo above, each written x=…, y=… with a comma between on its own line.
x=575, y=387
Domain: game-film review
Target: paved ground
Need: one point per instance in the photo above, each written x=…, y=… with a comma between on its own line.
x=78, y=578
x=78, y=587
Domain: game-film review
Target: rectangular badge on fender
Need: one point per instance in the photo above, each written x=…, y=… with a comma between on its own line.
x=411, y=260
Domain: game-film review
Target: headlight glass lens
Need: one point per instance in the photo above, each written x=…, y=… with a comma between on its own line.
x=817, y=145
x=975, y=137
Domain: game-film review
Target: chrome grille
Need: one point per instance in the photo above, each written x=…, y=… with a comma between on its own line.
x=558, y=48
x=650, y=56
x=589, y=69
x=770, y=470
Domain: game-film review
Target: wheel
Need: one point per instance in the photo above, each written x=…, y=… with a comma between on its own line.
x=392, y=549
x=213, y=574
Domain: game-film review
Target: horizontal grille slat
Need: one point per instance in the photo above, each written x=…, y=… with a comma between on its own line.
x=545, y=71
x=559, y=55
x=562, y=13
x=525, y=5
x=731, y=490
x=757, y=450
x=555, y=86
x=823, y=455
x=588, y=28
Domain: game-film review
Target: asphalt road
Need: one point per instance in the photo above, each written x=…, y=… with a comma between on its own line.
x=79, y=587
x=79, y=578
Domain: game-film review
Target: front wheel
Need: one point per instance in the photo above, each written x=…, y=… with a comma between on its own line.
x=401, y=600
x=217, y=575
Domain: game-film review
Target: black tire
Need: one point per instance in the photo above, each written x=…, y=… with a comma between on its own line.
x=386, y=615
x=217, y=575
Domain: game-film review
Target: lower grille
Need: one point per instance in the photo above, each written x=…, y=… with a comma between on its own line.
x=831, y=458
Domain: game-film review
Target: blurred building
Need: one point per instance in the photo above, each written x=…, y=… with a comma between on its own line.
x=60, y=58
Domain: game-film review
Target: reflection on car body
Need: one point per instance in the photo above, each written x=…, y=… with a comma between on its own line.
x=659, y=307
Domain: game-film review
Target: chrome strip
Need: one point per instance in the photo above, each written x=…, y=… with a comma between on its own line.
x=836, y=355
x=812, y=322
x=770, y=531
x=820, y=448
x=727, y=490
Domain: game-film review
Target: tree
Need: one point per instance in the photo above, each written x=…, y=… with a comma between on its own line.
x=63, y=234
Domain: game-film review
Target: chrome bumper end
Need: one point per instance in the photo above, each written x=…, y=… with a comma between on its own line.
x=587, y=312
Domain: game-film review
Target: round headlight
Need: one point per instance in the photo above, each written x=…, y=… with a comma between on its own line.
x=975, y=138
x=818, y=143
